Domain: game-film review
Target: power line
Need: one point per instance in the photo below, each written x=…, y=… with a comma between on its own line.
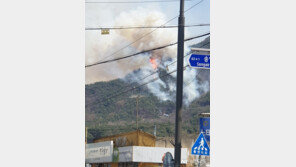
x=176, y=60
x=142, y=27
x=161, y=47
x=134, y=1
x=141, y=79
x=187, y=84
x=150, y=32
x=184, y=68
x=188, y=54
x=166, y=67
x=205, y=44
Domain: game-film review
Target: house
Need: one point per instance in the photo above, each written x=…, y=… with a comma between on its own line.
x=132, y=149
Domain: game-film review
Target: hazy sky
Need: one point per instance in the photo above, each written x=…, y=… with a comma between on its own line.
x=104, y=15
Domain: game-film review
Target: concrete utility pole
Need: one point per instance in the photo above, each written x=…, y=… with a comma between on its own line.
x=179, y=96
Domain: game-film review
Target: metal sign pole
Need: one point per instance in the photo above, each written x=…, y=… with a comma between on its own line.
x=198, y=164
x=199, y=161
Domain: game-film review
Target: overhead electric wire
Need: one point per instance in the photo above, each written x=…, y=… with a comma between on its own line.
x=135, y=87
x=153, y=1
x=176, y=60
x=141, y=52
x=130, y=84
x=150, y=31
x=187, y=84
x=141, y=27
x=204, y=45
x=158, y=70
x=141, y=79
x=188, y=54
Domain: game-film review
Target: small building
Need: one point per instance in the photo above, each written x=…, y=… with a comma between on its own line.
x=132, y=149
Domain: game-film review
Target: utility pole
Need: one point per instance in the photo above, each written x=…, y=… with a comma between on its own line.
x=179, y=96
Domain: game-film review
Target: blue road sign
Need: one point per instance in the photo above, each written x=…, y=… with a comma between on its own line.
x=199, y=61
x=201, y=146
x=205, y=127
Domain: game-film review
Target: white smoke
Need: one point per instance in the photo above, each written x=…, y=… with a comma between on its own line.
x=99, y=47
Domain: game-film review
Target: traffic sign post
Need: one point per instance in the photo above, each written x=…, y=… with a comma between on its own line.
x=200, y=58
x=199, y=61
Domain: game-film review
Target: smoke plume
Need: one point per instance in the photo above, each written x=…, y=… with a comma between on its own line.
x=101, y=47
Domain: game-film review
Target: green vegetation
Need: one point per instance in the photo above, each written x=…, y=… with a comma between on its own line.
x=123, y=117
x=107, y=116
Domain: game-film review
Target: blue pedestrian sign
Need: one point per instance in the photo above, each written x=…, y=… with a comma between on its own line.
x=199, y=61
x=204, y=124
x=201, y=146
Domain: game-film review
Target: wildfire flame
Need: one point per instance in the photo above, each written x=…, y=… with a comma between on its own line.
x=153, y=63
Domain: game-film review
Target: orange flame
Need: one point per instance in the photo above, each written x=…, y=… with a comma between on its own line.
x=153, y=63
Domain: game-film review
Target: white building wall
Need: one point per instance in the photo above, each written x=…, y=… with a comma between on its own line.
x=102, y=152
x=155, y=154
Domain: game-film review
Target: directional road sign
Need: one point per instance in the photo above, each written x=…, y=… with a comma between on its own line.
x=199, y=61
x=204, y=123
x=201, y=146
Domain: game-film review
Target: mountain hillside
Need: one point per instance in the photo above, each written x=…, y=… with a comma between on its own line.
x=111, y=107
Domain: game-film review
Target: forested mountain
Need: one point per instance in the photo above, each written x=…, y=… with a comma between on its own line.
x=109, y=111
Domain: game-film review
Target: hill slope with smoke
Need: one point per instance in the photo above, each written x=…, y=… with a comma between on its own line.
x=156, y=99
